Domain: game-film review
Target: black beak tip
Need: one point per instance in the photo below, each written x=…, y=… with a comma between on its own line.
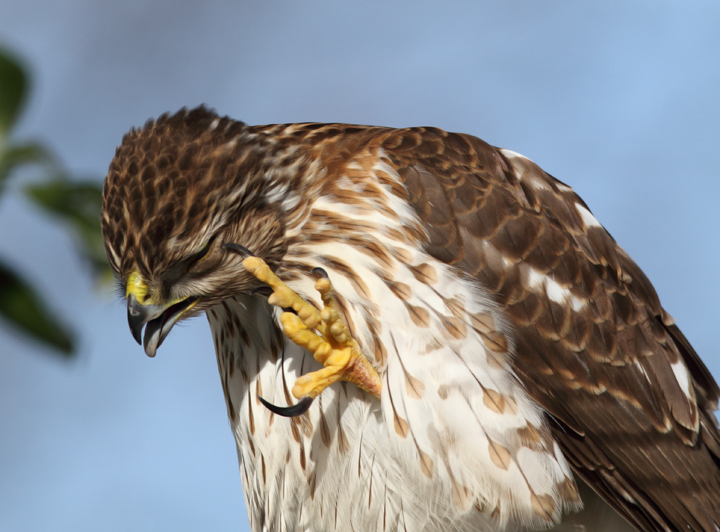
x=136, y=322
x=298, y=409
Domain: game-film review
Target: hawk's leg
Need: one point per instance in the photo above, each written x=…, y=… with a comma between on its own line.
x=334, y=347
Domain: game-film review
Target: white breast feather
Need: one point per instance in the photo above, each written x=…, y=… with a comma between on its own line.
x=455, y=442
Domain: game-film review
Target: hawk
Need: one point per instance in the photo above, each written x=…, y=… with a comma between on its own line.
x=414, y=330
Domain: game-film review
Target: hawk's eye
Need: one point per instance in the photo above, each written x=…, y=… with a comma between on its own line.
x=182, y=267
x=200, y=255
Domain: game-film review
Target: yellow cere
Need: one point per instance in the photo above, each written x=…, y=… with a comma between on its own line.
x=137, y=287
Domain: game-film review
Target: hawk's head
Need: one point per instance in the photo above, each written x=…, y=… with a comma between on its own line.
x=177, y=191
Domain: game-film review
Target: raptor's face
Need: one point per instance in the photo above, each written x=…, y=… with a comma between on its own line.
x=195, y=281
x=157, y=301
x=177, y=191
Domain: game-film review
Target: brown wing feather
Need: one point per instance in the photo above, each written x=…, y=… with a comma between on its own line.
x=601, y=368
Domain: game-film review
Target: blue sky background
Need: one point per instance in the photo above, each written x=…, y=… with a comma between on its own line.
x=618, y=99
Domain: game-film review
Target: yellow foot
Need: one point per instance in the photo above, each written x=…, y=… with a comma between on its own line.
x=334, y=347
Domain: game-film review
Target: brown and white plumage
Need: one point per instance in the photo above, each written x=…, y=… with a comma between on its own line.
x=519, y=346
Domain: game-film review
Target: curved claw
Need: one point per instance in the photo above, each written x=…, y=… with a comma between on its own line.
x=241, y=250
x=298, y=409
x=320, y=272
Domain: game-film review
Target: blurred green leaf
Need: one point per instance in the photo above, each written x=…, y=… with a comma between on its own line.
x=14, y=156
x=13, y=81
x=22, y=307
x=78, y=203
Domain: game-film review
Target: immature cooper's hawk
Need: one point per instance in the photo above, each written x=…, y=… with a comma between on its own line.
x=488, y=341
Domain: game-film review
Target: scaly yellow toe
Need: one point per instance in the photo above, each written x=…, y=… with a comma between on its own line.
x=334, y=347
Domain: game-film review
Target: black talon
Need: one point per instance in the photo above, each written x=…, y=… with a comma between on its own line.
x=237, y=248
x=320, y=272
x=298, y=409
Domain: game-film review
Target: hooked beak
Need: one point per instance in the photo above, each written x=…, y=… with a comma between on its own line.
x=158, y=321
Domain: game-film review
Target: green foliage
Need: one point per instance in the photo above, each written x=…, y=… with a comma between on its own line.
x=13, y=83
x=14, y=156
x=76, y=203
x=21, y=306
x=79, y=204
